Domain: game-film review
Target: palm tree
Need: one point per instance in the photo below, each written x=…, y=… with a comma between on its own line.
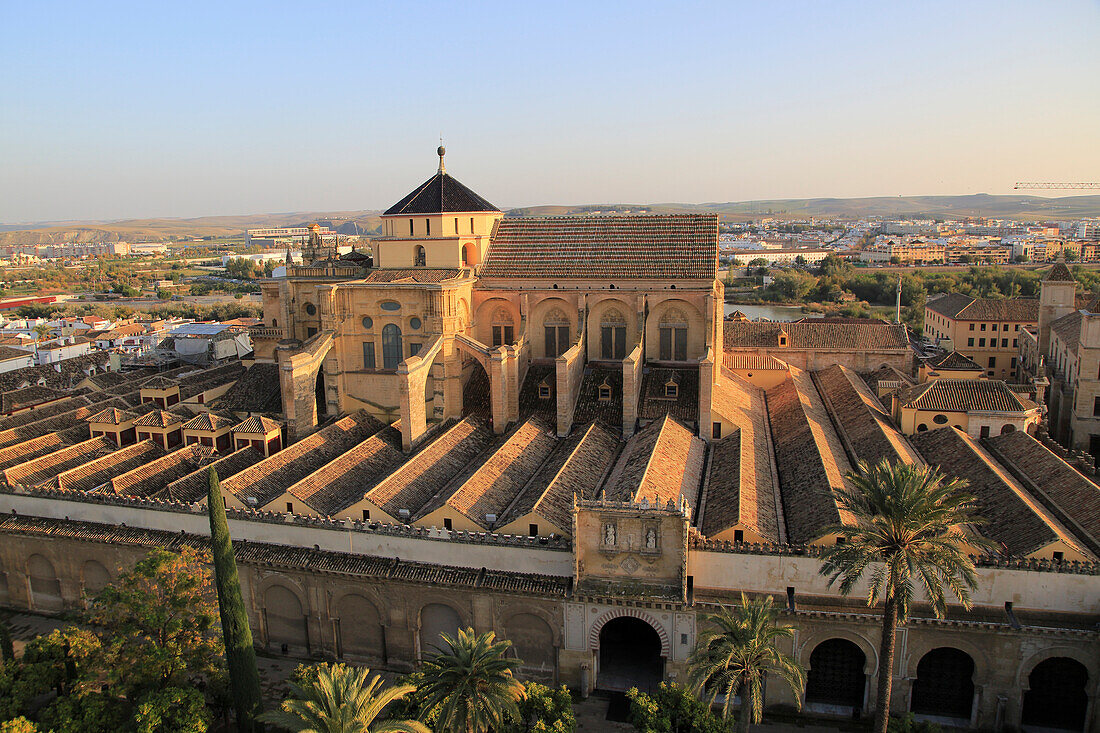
x=735, y=657
x=341, y=700
x=908, y=525
x=472, y=683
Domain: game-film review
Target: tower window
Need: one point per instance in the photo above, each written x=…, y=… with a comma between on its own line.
x=410, y=227
x=420, y=258
x=456, y=225
x=428, y=227
x=471, y=225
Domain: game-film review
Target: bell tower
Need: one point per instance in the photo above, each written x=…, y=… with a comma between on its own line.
x=1057, y=294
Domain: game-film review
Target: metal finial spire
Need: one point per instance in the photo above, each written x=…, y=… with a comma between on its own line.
x=441, y=151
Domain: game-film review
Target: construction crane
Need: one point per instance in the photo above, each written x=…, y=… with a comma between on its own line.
x=1022, y=184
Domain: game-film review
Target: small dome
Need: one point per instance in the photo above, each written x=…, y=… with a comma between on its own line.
x=441, y=151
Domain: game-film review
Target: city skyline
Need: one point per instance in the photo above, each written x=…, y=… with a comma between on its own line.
x=164, y=112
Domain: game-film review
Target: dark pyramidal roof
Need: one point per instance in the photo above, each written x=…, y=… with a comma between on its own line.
x=440, y=194
x=1059, y=274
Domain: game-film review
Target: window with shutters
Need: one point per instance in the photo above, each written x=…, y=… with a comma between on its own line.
x=673, y=334
x=368, y=355
x=503, y=328
x=391, y=346
x=556, y=333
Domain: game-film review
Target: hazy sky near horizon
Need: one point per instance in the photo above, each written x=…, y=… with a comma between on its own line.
x=119, y=110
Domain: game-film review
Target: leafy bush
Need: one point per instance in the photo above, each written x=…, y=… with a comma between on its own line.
x=673, y=710
x=908, y=724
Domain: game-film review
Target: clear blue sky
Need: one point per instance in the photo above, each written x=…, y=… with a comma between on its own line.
x=111, y=110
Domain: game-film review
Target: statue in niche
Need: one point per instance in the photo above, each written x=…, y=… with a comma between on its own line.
x=651, y=539
x=609, y=534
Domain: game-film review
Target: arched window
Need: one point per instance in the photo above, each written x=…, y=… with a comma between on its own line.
x=421, y=258
x=503, y=327
x=673, y=334
x=556, y=333
x=391, y=346
x=465, y=250
x=613, y=334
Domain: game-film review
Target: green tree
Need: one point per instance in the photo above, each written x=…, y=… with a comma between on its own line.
x=472, y=682
x=758, y=262
x=236, y=633
x=41, y=330
x=176, y=709
x=339, y=699
x=735, y=657
x=18, y=725
x=544, y=710
x=907, y=534
x=158, y=624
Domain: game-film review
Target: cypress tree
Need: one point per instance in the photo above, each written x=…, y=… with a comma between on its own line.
x=244, y=678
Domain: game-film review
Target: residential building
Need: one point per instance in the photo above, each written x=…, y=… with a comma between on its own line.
x=987, y=330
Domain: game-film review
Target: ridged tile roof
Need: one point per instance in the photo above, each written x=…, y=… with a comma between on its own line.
x=346, y=479
x=635, y=247
x=158, y=419
x=417, y=275
x=1068, y=329
x=660, y=463
x=442, y=193
x=257, y=390
x=28, y=450
x=871, y=335
x=808, y=455
x=111, y=416
x=153, y=476
x=963, y=395
x=193, y=486
x=414, y=484
x=1059, y=274
x=653, y=403
x=101, y=470
x=741, y=487
x=268, y=479
x=955, y=362
x=210, y=421
x=755, y=362
x=257, y=425
x=39, y=470
x=967, y=308
x=1010, y=518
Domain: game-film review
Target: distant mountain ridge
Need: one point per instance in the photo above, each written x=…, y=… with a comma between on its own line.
x=1016, y=207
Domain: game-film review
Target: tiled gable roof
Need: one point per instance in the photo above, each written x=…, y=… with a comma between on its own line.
x=39, y=470
x=741, y=489
x=1059, y=274
x=966, y=308
x=576, y=466
x=417, y=275
x=28, y=450
x=414, y=484
x=257, y=390
x=955, y=362
x=7, y=353
x=28, y=396
x=661, y=463
x=872, y=335
x=1008, y=517
x=963, y=395
x=73, y=418
x=268, y=479
x=193, y=486
x=153, y=476
x=101, y=470
x=347, y=478
x=111, y=416
x=439, y=194
x=1073, y=498
x=498, y=481
x=860, y=419
x=257, y=425
x=809, y=458
x=1068, y=329
x=42, y=412
x=590, y=407
x=635, y=247
x=210, y=421
x=653, y=402
x=158, y=419
x=755, y=362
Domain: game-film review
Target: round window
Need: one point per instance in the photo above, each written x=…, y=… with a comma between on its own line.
x=414, y=323
x=940, y=419
x=921, y=428
x=311, y=309
x=390, y=305
x=368, y=322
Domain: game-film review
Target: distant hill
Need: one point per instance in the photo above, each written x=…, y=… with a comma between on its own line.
x=1019, y=208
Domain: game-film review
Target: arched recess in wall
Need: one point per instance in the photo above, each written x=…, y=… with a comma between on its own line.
x=674, y=331
x=436, y=619
x=613, y=330
x=94, y=578
x=44, y=585
x=360, y=627
x=533, y=641
x=285, y=620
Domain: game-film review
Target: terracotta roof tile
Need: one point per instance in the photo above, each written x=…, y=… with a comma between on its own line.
x=111, y=416
x=158, y=419
x=99, y=471
x=412, y=275
x=257, y=390
x=967, y=308
x=28, y=450
x=954, y=361
x=962, y=395
x=414, y=484
x=640, y=247
x=1010, y=516
x=257, y=425
x=268, y=479
x=155, y=475
x=346, y=479
x=1059, y=273
x=661, y=463
x=654, y=404
x=39, y=470
x=210, y=421
x=872, y=335
x=193, y=487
